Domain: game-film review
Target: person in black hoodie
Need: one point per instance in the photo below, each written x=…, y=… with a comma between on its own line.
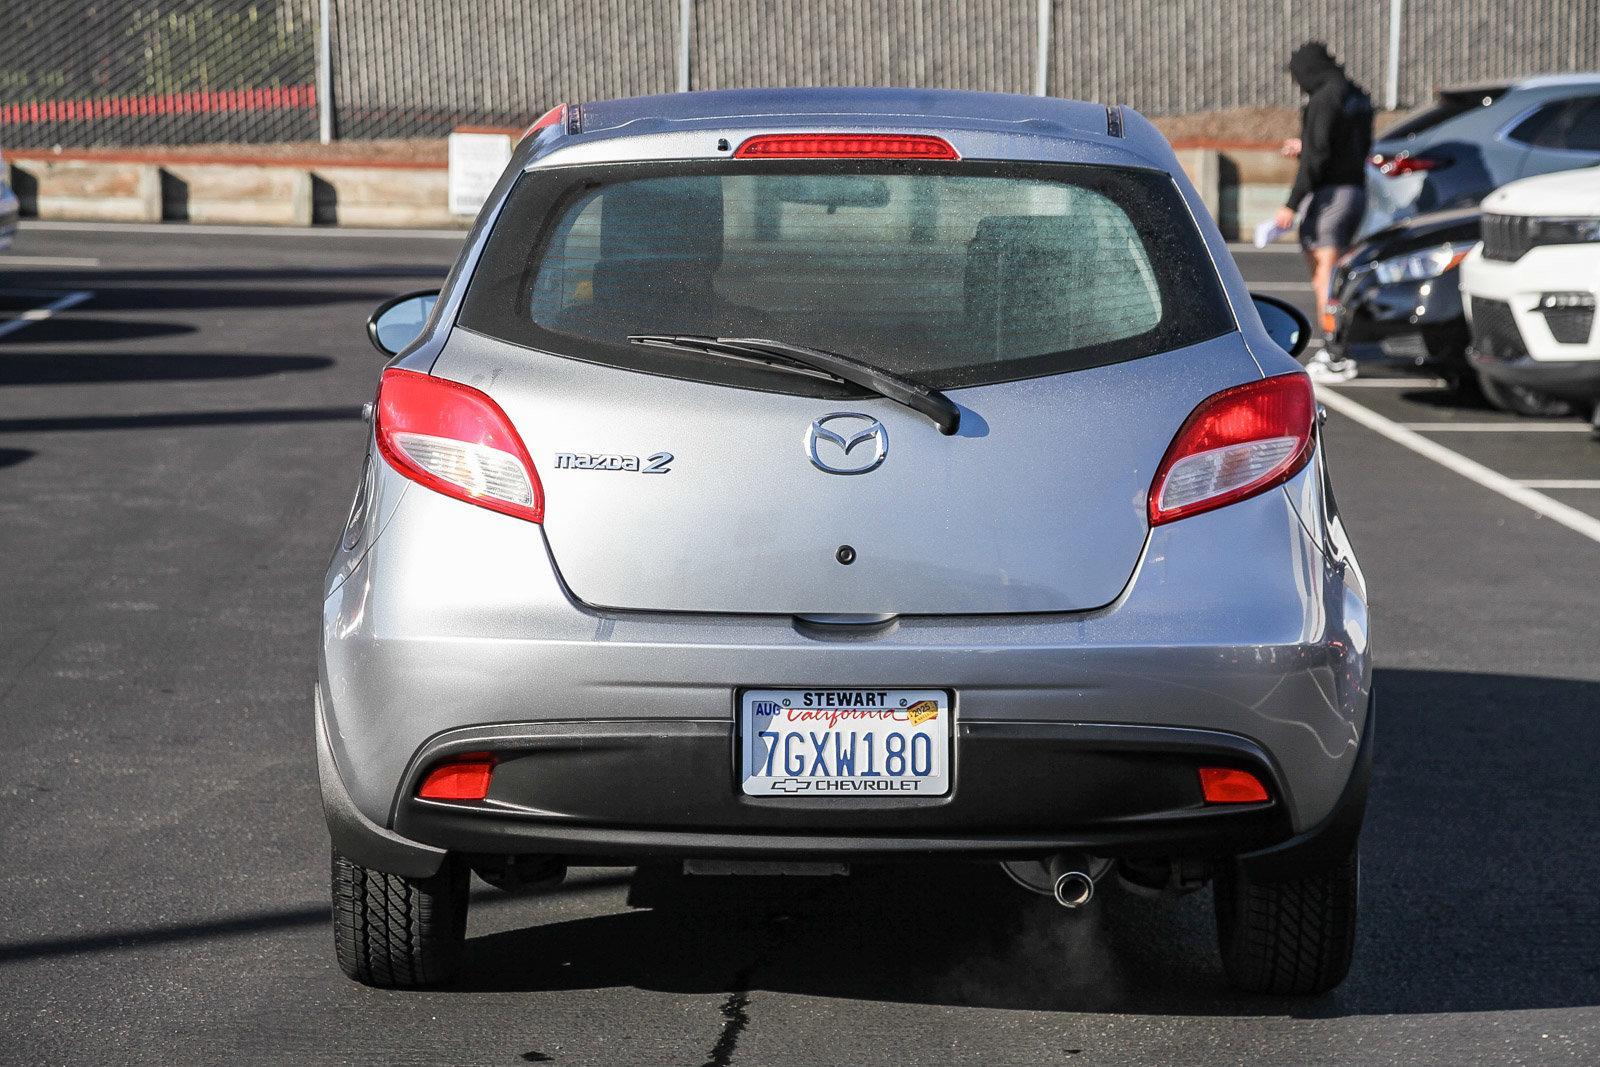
x=1329, y=192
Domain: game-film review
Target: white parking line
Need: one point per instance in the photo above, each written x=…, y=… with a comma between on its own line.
x=48, y=261
x=1560, y=483
x=1498, y=427
x=1389, y=383
x=180, y=228
x=33, y=315
x=1249, y=246
x=1570, y=517
x=1296, y=288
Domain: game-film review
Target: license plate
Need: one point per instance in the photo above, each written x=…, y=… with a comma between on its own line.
x=845, y=742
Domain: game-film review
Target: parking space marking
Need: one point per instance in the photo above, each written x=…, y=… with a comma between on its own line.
x=1560, y=483
x=1390, y=383
x=1498, y=427
x=48, y=261
x=40, y=314
x=1510, y=488
x=1277, y=246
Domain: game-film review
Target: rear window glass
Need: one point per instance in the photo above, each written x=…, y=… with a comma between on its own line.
x=953, y=274
x=1449, y=106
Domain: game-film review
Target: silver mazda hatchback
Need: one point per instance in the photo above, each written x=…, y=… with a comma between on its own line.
x=798, y=480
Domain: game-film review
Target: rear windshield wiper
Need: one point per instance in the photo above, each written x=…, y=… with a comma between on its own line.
x=822, y=364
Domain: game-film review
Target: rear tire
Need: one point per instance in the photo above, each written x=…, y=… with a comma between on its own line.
x=1520, y=400
x=399, y=932
x=1288, y=938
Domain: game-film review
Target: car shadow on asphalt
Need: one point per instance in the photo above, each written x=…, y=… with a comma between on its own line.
x=77, y=368
x=1479, y=868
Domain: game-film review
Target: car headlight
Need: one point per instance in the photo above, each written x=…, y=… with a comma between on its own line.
x=1420, y=266
x=1564, y=231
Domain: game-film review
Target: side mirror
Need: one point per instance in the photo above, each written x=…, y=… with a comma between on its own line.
x=398, y=322
x=1285, y=325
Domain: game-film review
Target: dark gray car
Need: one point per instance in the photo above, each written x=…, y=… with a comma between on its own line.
x=1477, y=138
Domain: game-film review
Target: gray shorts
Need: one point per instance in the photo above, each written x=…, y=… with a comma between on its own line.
x=1332, y=214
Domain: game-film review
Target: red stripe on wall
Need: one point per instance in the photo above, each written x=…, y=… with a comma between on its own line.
x=293, y=97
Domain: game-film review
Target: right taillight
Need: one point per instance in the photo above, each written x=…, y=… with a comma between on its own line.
x=455, y=440
x=1237, y=443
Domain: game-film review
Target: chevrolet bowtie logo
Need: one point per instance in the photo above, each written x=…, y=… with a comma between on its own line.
x=791, y=785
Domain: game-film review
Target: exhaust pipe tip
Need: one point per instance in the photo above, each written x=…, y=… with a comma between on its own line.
x=1074, y=889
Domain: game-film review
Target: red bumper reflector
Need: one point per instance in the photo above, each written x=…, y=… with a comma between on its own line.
x=1224, y=785
x=459, y=778
x=845, y=146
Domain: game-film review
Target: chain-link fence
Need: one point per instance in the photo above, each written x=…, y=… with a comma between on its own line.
x=125, y=72
x=131, y=72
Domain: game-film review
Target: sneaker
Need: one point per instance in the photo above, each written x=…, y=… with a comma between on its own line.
x=1324, y=368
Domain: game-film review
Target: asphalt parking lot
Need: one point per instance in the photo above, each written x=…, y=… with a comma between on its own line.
x=179, y=436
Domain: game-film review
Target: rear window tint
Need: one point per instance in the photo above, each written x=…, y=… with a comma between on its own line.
x=954, y=273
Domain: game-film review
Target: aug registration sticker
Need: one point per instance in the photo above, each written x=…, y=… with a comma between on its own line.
x=845, y=742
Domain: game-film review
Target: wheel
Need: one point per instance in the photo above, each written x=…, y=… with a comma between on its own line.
x=1520, y=400
x=398, y=932
x=1289, y=938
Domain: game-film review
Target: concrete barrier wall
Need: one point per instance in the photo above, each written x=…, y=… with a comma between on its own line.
x=76, y=189
x=252, y=195
x=383, y=196
x=1240, y=186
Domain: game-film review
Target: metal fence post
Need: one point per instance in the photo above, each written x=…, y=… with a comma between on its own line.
x=685, y=36
x=1041, y=62
x=1391, y=84
x=324, y=73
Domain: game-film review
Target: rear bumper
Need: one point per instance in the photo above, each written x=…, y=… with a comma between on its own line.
x=666, y=792
x=1072, y=731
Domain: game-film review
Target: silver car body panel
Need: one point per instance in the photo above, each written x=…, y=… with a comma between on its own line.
x=1238, y=621
x=1249, y=620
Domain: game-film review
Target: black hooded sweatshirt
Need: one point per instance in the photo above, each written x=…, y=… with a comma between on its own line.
x=1335, y=124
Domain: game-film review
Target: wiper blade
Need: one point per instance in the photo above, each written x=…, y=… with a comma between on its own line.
x=710, y=346
x=886, y=383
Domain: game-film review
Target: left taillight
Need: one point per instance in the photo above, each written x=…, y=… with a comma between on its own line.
x=455, y=440
x=1237, y=443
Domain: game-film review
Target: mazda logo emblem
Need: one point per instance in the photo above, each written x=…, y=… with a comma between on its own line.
x=846, y=442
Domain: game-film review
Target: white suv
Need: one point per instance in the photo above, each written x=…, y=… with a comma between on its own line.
x=1532, y=286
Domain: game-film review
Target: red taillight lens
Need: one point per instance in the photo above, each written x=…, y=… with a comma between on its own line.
x=549, y=118
x=455, y=440
x=1234, y=445
x=459, y=778
x=845, y=146
x=1224, y=785
x=1395, y=166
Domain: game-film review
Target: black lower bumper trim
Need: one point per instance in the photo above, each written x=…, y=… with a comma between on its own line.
x=666, y=790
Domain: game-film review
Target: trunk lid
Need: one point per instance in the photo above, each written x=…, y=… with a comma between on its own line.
x=1037, y=504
